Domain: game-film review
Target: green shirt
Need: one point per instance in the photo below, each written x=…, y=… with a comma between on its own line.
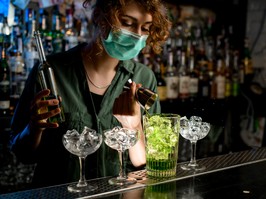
x=55, y=164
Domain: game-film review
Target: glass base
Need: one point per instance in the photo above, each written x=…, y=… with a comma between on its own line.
x=194, y=167
x=122, y=181
x=78, y=189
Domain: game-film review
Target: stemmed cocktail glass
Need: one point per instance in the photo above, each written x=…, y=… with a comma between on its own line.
x=82, y=145
x=193, y=130
x=121, y=139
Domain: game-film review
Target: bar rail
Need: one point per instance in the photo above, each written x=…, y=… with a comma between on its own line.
x=213, y=164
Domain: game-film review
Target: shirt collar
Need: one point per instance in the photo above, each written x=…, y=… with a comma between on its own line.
x=127, y=65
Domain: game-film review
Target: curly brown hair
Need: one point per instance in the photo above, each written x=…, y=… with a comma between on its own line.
x=111, y=9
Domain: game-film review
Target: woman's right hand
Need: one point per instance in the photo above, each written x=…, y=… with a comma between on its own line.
x=39, y=111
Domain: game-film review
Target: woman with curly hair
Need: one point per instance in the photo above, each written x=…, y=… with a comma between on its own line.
x=90, y=79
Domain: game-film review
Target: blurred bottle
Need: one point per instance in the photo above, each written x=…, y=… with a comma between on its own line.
x=5, y=85
x=47, y=79
x=18, y=79
x=247, y=61
x=228, y=73
x=183, y=78
x=1, y=31
x=204, y=88
x=220, y=79
x=6, y=30
x=193, y=78
x=171, y=78
x=70, y=35
x=29, y=48
x=47, y=36
x=161, y=84
x=16, y=62
x=57, y=33
x=83, y=33
x=235, y=75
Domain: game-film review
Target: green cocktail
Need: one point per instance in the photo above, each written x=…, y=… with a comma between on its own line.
x=161, y=141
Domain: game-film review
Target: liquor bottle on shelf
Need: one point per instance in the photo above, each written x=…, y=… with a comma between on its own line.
x=171, y=78
x=5, y=85
x=235, y=75
x=220, y=79
x=47, y=79
x=84, y=31
x=247, y=62
x=161, y=84
x=29, y=48
x=46, y=34
x=1, y=30
x=204, y=84
x=212, y=84
x=183, y=92
x=71, y=35
x=193, y=78
x=6, y=30
x=57, y=34
x=228, y=74
x=18, y=79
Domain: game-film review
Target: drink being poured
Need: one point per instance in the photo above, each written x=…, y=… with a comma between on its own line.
x=144, y=96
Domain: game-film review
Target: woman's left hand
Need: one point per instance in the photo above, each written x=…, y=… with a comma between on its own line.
x=127, y=111
x=126, y=108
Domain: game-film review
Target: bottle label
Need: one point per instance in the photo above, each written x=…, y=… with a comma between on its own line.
x=228, y=89
x=4, y=87
x=194, y=85
x=205, y=91
x=171, y=87
x=162, y=93
x=4, y=104
x=248, y=66
x=184, y=86
x=220, y=82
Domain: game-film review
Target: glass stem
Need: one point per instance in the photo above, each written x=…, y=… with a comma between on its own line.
x=122, y=174
x=82, y=181
x=193, y=154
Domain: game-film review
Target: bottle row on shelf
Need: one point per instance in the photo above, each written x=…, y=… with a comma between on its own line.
x=196, y=64
x=196, y=61
x=196, y=76
x=59, y=32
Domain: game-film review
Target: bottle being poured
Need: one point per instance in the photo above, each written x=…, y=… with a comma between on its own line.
x=47, y=79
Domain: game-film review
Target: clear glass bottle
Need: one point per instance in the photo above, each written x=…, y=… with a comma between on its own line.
x=47, y=79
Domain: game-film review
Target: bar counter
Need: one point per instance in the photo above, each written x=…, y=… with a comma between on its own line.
x=235, y=175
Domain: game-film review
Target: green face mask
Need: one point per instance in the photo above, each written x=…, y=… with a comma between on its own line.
x=124, y=45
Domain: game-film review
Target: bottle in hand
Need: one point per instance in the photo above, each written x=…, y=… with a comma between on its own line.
x=47, y=79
